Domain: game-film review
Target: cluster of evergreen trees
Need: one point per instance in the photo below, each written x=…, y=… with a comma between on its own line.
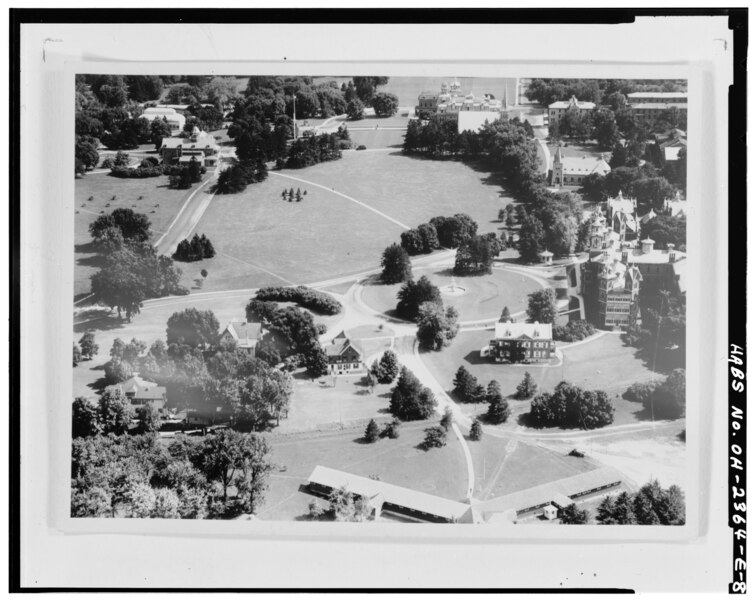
x=311, y=150
x=410, y=400
x=200, y=247
x=468, y=389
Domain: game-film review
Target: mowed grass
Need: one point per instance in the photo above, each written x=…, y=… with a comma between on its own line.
x=380, y=138
x=440, y=471
x=505, y=465
x=160, y=203
x=484, y=298
x=263, y=240
x=413, y=190
x=603, y=363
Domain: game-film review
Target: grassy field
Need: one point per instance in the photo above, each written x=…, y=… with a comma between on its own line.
x=263, y=240
x=484, y=298
x=158, y=202
x=603, y=363
x=440, y=471
x=381, y=138
x=504, y=465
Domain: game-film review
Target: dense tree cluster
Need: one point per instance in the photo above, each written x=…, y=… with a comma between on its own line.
x=239, y=175
x=132, y=273
x=387, y=368
x=385, y=105
x=447, y=232
x=476, y=254
x=437, y=325
x=664, y=326
x=223, y=475
x=198, y=248
x=124, y=222
x=397, y=266
x=573, y=331
x=414, y=294
x=193, y=327
x=548, y=91
x=569, y=406
x=292, y=332
x=435, y=437
x=141, y=172
x=541, y=306
x=314, y=300
x=183, y=176
x=551, y=223
x=651, y=505
x=467, y=388
x=308, y=151
x=410, y=400
x=663, y=400
x=665, y=229
x=645, y=183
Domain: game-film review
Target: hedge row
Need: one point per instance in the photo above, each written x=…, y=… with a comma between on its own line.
x=308, y=298
x=137, y=173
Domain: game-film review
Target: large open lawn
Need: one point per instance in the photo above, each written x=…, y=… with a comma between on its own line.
x=603, y=363
x=440, y=471
x=483, y=296
x=263, y=240
x=150, y=196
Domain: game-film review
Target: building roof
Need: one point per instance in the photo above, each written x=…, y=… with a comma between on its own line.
x=620, y=203
x=584, y=165
x=573, y=102
x=668, y=95
x=545, y=253
x=243, y=332
x=172, y=142
x=337, y=348
x=155, y=393
x=659, y=105
x=511, y=330
x=393, y=494
x=135, y=384
x=548, y=492
x=473, y=120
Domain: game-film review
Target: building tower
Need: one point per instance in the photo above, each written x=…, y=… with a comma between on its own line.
x=557, y=177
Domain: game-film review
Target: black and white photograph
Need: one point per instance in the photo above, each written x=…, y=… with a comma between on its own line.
x=332, y=305
x=439, y=300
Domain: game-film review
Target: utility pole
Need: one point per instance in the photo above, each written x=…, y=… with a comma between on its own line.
x=295, y=136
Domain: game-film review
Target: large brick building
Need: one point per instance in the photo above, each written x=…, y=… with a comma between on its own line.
x=522, y=342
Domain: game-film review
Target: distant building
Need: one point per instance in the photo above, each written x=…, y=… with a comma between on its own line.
x=343, y=357
x=557, y=110
x=622, y=214
x=452, y=101
x=175, y=120
x=141, y=392
x=245, y=335
x=199, y=145
x=674, y=207
x=647, y=106
x=522, y=342
x=571, y=170
x=392, y=500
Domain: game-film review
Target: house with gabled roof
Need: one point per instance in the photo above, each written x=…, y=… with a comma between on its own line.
x=343, y=356
x=245, y=335
x=572, y=170
x=140, y=392
x=522, y=342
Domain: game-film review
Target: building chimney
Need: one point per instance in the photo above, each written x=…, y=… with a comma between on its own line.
x=671, y=253
x=647, y=245
x=624, y=255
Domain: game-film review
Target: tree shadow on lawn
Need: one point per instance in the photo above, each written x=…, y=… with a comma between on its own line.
x=106, y=323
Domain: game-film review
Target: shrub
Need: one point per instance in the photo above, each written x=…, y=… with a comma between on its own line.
x=372, y=433
x=391, y=430
x=361, y=147
x=435, y=437
x=140, y=172
x=475, y=432
x=573, y=331
x=314, y=300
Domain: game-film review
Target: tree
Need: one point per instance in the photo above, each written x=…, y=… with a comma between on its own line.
x=385, y=105
x=436, y=327
x=144, y=87
x=345, y=508
x=149, y=418
x=221, y=91
x=76, y=355
x=447, y=419
x=84, y=420
x=114, y=411
x=410, y=400
x=255, y=467
x=86, y=152
x=158, y=130
x=465, y=385
x=476, y=254
x=316, y=361
x=365, y=87
x=605, y=130
x=569, y=406
x=372, y=433
x=435, y=437
x=531, y=238
x=604, y=515
x=392, y=429
x=623, y=513
x=88, y=346
x=396, y=265
x=355, y=109
x=527, y=388
x=542, y=306
x=389, y=367
x=475, y=432
x=571, y=515
x=498, y=407
x=133, y=226
x=505, y=315
x=413, y=294
x=193, y=327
